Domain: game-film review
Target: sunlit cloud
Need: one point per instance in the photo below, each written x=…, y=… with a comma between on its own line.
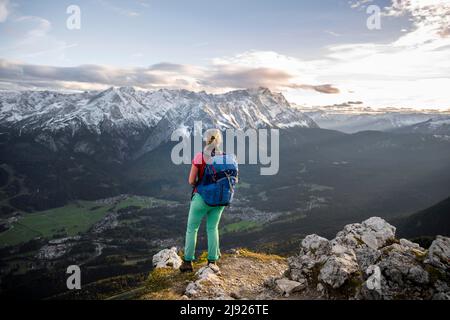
x=215, y=78
x=238, y=77
x=325, y=88
x=412, y=70
x=269, y=69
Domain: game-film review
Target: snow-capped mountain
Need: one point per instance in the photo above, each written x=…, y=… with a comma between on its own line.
x=438, y=125
x=351, y=123
x=50, y=111
x=152, y=115
x=353, y=117
x=254, y=108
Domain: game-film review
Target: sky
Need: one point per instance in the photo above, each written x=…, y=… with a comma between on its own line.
x=314, y=52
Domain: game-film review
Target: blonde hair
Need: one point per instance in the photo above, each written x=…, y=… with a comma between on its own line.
x=213, y=138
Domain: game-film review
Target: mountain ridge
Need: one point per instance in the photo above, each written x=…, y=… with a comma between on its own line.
x=426, y=223
x=353, y=117
x=150, y=116
x=437, y=125
x=18, y=106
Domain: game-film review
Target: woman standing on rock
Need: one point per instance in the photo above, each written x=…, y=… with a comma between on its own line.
x=213, y=176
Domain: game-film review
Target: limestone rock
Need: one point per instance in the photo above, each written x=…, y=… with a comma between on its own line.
x=338, y=269
x=374, y=233
x=366, y=261
x=167, y=258
x=316, y=245
x=286, y=286
x=208, y=284
x=439, y=253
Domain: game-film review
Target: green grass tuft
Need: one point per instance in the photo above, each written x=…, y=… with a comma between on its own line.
x=241, y=226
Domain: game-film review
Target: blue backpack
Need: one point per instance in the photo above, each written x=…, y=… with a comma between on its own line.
x=218, y=181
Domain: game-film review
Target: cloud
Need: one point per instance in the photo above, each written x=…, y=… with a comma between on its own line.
x=236, y=77
x=171, y=67
x=332, y=33
x=359, y=3
x=162, y=75
x=120, y=10
x=431, y=19
x=30, y=37
x=89, y=74
x=143, y=3
x=4, y=10
x=412, y=70
x=325, y=88
x=40, y=26
x=268, y=69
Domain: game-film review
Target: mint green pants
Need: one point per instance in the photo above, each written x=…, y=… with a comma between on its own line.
x=197, y=211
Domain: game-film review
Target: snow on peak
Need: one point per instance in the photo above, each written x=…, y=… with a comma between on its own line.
x=126, y=107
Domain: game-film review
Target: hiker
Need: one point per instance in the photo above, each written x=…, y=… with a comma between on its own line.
x=213, y=176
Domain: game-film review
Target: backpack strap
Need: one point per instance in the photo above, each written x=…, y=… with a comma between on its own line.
x=213, y=154
x=198, y=182
x=229, y=182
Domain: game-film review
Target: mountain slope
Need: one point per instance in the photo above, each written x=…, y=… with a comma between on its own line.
x=437, y=125
x=429, y=222
x=243, y=109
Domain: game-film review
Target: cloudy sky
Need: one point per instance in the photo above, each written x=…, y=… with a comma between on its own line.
x=315, y=52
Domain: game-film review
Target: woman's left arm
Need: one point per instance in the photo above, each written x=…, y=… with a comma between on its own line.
x=193, y=175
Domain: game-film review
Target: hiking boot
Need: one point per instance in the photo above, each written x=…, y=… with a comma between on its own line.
x=186, y=266
x=210, y=262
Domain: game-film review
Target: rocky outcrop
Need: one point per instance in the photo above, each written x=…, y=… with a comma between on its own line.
x=366, y=261
x=208, y=284
x=242, y=275
x=339, y=267
x=167, y=258
x=439, y=253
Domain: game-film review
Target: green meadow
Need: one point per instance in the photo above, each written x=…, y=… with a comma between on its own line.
x=69, y=220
